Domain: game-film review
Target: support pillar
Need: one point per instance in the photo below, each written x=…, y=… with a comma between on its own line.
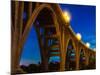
x=62, y=43
x=16, y=50
x=87, y=59
x=14, y=61
x=45, y=65
x=46, y=58
x=65, y=49
x=77, y=56
x=77, y=63
x=30, y=10
x=44, y=61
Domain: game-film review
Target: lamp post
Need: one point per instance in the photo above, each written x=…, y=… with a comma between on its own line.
x=78, y=36
x=88, y=44
x=66, y=16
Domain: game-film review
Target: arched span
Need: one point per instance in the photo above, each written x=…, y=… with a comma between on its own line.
x=83, y=50
x=82, y=58
x=73, y=44
x=74, y=36
x=70, y=62
x=32, y=20
x=34, y=16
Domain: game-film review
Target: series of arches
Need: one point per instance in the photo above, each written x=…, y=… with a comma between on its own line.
x=45, y=18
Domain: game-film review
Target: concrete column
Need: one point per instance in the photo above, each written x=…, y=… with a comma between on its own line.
x=87, y=58
x=77, y=63
x=20, y=27
x=87, y=61
x=62, y=64
x=77, y=56
x=21, y=10
x=65, y=49
x=44, y=61
x=46, y=64
x=30, y=9
x=16, y=50
x=15, y=42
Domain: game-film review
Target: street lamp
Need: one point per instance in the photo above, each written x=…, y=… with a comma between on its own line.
x=87, y=44
x=67, y=16
x=78, y=36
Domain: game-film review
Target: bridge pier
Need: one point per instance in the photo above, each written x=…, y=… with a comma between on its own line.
x=45, y=65
x=77, y=63
x=77, y=56
x=16, y=35
x=87, y=59
x=62, y=64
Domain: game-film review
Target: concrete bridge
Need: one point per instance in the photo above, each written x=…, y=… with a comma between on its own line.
x=54, y=33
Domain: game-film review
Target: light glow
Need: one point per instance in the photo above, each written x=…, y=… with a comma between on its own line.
x=66, y=16
x=87, y=44
x=78, y=35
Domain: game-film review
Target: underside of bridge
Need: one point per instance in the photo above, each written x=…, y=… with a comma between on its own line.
x=55, y=36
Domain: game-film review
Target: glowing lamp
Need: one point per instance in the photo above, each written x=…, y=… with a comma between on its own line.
x=66, y=16
x=87, y=44
x=78, y=36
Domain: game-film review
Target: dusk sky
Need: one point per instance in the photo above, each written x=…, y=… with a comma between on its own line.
x=83, y=21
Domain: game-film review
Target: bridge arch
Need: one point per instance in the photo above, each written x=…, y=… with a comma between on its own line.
x=92, y=59
x=35, y=15
x=82, y=58
x=32, y=22
x=70, y=39
x=70, y=61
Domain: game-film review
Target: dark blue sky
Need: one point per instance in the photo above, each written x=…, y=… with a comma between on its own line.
x=83, y=20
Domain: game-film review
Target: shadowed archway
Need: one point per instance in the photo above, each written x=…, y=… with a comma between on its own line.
x=92, y=63
x=45, y=26
x=29, y=62
x=82, y=59
x=70, y=63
